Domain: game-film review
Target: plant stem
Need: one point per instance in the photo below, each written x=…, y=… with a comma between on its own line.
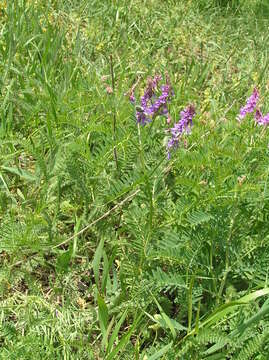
x=114, y=113
x=227, y=263
x=141, y=151
x=190, y=303
x=148, y=187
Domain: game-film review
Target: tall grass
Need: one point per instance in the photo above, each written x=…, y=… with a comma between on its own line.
x=107, y=249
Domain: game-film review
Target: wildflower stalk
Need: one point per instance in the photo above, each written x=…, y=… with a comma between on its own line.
x=227, y=252
x=141, y=151
x=149, y=194
x=227, y=267
x=190, y=303
x=114, y=114
x=143, y=165
x=211, y=265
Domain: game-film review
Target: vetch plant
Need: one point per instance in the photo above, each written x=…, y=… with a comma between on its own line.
x=182, y=127
x=107, y=249
x=260, y=119
x=250, y=106
x=154, y=101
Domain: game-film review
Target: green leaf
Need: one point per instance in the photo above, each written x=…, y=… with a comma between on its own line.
x=123, y=341
x=102, y=314
x=166, y=319
x=23, y=174
x=161, y=352
x=199, y=217
x=63, y=261
x=158, y=319
x=96, y=261
x=224, y=309
x=116, y=331
x=106, y=334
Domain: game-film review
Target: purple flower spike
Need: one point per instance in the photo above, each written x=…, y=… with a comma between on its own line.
x=186, y=117
x=161, y=102
x=183, y=126
x=149, y=92
x=150, y=104
x=154, y=101
x=250, y=106
x=156, y=80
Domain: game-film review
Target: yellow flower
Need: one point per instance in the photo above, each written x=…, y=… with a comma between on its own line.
x=100, y=46
x=255, y=77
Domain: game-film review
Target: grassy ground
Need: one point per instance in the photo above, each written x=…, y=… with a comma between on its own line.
x=107, y=249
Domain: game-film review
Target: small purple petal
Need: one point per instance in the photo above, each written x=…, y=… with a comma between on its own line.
x=141, y=117
x=132, y=98
x=266, y=119
x=259, y=117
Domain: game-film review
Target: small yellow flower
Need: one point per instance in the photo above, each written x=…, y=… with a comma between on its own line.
x=81, y=303
x=100, y=46
x=255, y=77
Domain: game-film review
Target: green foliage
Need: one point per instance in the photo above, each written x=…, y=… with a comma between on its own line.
x=107, y=249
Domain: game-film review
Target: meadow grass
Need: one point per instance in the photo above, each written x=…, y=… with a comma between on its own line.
x=107, y=249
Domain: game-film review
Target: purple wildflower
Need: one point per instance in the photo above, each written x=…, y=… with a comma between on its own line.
x=141, y=117
x=131, y=94
x=156, y=80
x=165, y=111
x=260, y=119
x=149, y=94
x=266, y=119
x=151, y=104
x=251, y=104
x=132, y=98
x=161, y=102
x=186, y=118
x=183, y=126
x=172, y=144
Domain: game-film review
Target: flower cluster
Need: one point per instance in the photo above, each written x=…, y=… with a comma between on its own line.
x=251, y=105
x=155, y=99
x=151, y=104
x=183, y=126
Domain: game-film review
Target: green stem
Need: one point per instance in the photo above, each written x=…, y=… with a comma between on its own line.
x=114, y=114
x=190, y=303
x=141, y=151
x=149, y=195
x=211, y=264
x=227, y=262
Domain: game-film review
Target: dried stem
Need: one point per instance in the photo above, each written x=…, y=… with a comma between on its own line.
x=128, y=198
